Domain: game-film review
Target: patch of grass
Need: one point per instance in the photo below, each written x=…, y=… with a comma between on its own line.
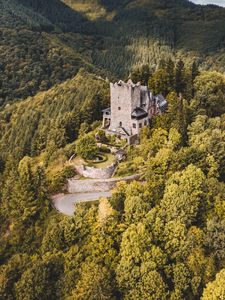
x=107, y=163
x=98, y=159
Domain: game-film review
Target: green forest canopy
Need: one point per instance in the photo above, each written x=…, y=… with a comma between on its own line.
x=160, y=239
x=163, y=239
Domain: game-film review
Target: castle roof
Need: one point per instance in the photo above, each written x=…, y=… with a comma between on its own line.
x=161, y=101
x=139, y=113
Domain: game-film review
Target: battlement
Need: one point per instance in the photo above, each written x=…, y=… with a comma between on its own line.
x=121, y=84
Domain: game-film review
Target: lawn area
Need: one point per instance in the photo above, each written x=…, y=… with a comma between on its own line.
x=107, y=163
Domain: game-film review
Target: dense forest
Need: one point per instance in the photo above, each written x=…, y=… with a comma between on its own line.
x=162, y=237
x=44, y=43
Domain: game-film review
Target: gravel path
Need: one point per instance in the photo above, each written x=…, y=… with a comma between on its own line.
x=64, y=203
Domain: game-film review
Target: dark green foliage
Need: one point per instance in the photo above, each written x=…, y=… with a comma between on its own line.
x=11, y=273
x=2, y=165
x=159, y=83
x=35, y=52
x=179, y=77
x=141, y=74
x=43, y=44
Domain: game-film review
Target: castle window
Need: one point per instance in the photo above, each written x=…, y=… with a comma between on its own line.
x=119, y=108
x=145, y=122
x=134, y=125
x=140, y=125
x=120, y=124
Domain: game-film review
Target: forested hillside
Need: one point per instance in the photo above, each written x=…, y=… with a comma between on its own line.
x=160, y=238
x=52, y=118
x=35, y=52
x=44, y=43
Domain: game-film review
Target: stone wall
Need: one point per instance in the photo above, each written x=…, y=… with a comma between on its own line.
x=95, y=173
x=96, y=185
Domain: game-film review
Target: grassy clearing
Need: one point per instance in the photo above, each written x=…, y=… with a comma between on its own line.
x=107, y=163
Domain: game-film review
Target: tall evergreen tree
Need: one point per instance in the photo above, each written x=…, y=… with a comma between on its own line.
x=180, y=77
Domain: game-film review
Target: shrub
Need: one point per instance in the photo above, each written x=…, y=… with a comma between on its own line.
x=87, y=147
x=59, y=180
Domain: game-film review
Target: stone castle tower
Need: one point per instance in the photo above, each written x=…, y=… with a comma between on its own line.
x=131, y=107
x=124, y=99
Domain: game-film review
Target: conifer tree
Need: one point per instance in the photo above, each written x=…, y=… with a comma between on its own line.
x=180, y=77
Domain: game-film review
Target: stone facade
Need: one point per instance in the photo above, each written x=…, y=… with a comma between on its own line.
x=131, y=108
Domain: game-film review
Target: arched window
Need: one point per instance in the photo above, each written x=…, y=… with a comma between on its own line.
x=120, y=124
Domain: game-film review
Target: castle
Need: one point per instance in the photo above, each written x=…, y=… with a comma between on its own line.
x=131, y=108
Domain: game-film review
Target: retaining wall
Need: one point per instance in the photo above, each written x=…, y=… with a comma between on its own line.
x=96, y=185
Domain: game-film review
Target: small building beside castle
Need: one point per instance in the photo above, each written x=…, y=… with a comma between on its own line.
x=131, y=108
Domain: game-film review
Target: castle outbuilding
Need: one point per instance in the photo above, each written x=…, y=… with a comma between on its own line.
x=131, y=108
